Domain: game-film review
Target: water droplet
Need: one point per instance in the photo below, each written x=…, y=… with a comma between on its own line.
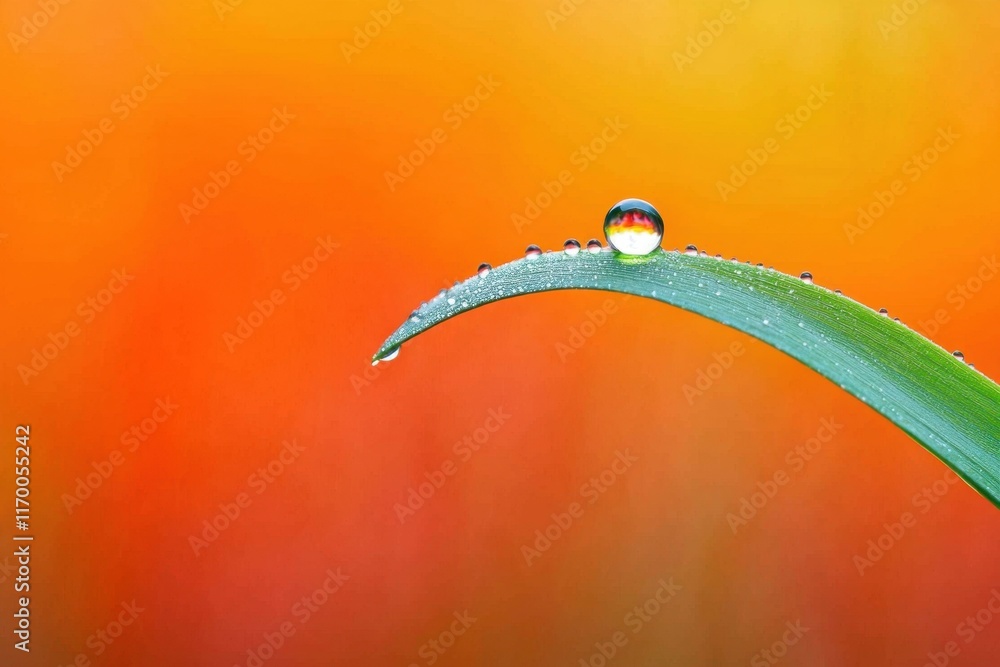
x=958, y=355
x=883, y=312
x=593, y=245
x=703, y=254
x=633, y=227
x=718, y=256
x=807, y=278
x=451, y=301
x=389, y=356
x=571, y=247
x=691, y=250
x=484, y=270
x=532, y=251
x=767, y=321
x=837, y=291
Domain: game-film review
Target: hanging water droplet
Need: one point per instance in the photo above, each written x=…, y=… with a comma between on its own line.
x=807, y=278
x=633, y=227
x=691, y=250
x=958, y=355
x=393, y=353
x=532, y=251
x=593, y=245
x=571, y=247
x=484, y=270
x=883, y=312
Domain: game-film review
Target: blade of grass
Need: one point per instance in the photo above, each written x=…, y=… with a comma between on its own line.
x=949, y=408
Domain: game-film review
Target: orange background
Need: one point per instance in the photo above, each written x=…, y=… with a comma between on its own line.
x=369, y=439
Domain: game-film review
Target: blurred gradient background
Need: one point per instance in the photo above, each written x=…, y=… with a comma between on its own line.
x=299, y=118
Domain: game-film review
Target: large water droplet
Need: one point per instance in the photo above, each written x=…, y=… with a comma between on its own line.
x=484, y=270
x=571, y=247
x=807, y=278
x=532, y=251
x=593, y=245
x=633, y=227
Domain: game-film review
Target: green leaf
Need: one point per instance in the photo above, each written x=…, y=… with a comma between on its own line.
x=946, y=406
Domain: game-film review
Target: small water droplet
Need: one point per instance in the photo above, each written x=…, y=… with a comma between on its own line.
x=807, y=278
x=958, y=355
x=484, y=270
x=571, y=247
x=633, y=227
x=883, y=312
x=703, y=254
x=768, y=322
x=593, y=245
x=691, y=250
x=837, y=291
x=532, y=251
x=760, y=265
x=718, y=256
